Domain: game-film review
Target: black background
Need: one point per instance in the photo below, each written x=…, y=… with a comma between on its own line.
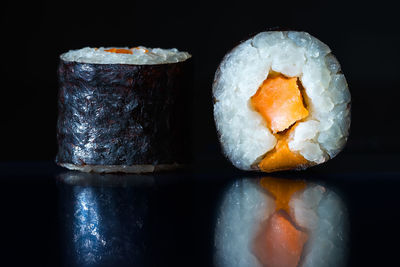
x=363, y=36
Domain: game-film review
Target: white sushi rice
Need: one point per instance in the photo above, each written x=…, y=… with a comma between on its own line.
x=141, y=56
x=243, y=133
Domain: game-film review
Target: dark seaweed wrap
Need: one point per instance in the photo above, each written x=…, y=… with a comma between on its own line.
x=123, y=114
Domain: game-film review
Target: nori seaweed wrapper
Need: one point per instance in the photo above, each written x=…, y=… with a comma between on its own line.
x=123, y=114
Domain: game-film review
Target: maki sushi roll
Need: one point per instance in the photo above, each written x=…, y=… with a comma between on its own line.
x=281, y=102
x=280, y=223
x=123, y=109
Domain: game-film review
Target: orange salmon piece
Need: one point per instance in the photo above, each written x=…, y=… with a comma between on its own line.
x=119, y=51
x=280, y=102
x=281, y=157
x=279, y=243
x=282, y=190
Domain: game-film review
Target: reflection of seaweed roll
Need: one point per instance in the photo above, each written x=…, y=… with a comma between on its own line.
x=281, y=102
x=105, y=219
x=124, y=219
x=121, y=109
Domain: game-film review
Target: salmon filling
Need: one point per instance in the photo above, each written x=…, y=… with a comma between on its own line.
x=280, y=102
x=282, y=191
x=124, y=50
x=279, y=242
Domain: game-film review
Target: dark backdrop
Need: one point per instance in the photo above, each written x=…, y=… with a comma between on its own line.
x=364, y=37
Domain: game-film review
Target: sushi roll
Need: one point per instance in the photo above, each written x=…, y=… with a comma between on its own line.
x=280, y=223
x=281, y=102
x=123, y=109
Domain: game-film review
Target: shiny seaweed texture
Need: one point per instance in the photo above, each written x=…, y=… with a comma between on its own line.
x=124, y=220
x=122, y=114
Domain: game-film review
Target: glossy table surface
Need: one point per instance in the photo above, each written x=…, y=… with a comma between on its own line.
x=55, y=217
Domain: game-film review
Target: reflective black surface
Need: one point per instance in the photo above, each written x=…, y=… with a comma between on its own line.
x=52, y=217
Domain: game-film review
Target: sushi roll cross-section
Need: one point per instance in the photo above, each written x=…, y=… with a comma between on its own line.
x=123, y=109
x=281, y=102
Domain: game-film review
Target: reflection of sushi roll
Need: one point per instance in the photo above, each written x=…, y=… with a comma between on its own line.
x=277, y=222
x=122, y=109
x=98, y=227
x=124, y=219
x=281, y=102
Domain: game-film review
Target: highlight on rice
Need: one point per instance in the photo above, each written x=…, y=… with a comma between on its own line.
x=139, y=55
x=280, y=222
x=281, y=102
x=123, y=109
